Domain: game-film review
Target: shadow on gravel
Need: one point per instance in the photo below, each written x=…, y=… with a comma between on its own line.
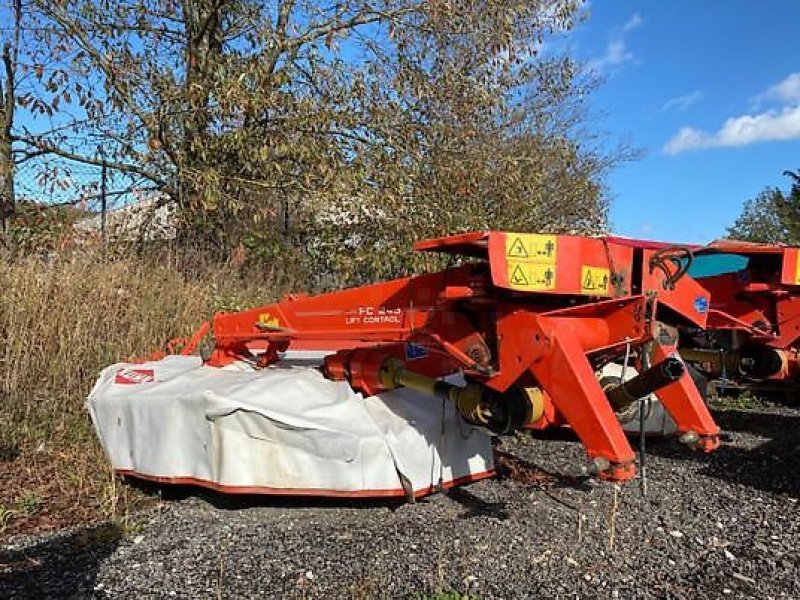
x=478, y=507
x=242, y=501
x=772, y=466
x=771, y=425
x=507, y=466
x=60, y=567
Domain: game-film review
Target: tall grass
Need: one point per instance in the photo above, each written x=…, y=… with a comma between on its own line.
x=64, y=318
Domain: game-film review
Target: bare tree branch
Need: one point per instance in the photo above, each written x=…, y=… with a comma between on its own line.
x=44, y=148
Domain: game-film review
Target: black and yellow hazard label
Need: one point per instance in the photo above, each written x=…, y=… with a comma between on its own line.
x=531, y=261
x=532, y=247
x=529, y=276
x=595, y=280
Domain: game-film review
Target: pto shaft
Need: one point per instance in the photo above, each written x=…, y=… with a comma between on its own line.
x=501, y=413
x=648, y=381
x=756, y=362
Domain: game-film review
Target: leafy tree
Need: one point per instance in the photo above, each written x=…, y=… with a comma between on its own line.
x=340, y=131
x=37, y=92
x=771, y=217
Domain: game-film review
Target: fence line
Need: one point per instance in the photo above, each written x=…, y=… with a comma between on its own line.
x=96, y=189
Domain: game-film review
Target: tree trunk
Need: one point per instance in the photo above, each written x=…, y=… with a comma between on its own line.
x=202, y=23
x=7, y=197
x=7, y=105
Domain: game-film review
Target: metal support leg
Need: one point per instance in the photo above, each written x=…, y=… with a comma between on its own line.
x=568, y=378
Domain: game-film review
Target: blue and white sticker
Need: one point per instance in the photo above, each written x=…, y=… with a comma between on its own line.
x=701, y=304
x=415, y=351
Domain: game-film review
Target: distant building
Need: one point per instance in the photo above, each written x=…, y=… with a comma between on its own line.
x=149, y=219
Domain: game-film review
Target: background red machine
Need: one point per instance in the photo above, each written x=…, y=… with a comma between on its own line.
x=753, y=331
x=528, y=323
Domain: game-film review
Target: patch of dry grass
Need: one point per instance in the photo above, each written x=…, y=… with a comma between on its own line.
x=62, y=319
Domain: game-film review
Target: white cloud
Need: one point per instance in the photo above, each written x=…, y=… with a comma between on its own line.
x=615, y=55
x=616, y=52
x=632, y=23
x=683, y=102
x=787, y=91
x=740, y=131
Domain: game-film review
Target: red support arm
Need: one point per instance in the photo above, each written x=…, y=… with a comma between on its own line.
x=567, y=377
x=685, y=404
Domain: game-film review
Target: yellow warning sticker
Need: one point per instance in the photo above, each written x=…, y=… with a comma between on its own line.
x=531, y=276
x=267, y=321
x=532, y=247
x=595, y=280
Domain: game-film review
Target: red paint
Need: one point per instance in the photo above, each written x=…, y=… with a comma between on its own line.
x=760, y=303
x=129, y=376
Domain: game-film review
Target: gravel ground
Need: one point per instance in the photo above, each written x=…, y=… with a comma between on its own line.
x=725, y=525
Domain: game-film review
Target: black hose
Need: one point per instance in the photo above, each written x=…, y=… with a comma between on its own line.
x=679, y=257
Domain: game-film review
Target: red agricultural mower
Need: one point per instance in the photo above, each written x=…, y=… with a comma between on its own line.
x=752, y=336
x=529, y=323
x=530, y=331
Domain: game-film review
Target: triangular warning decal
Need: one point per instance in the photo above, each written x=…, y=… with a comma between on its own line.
x=518, y=277
x=588, y=281
x=517, y=249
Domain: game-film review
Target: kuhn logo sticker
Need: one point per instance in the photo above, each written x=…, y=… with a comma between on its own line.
x=701, y=304
x=128, y=376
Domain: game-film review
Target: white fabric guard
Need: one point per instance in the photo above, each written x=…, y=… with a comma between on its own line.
x=280, y=430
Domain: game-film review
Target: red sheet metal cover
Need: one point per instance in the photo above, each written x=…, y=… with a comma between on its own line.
x=559, y=264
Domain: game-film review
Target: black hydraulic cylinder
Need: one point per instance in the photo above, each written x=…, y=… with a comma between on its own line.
x=667, y=371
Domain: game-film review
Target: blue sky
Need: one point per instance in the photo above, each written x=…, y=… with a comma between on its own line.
x=710, y=91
